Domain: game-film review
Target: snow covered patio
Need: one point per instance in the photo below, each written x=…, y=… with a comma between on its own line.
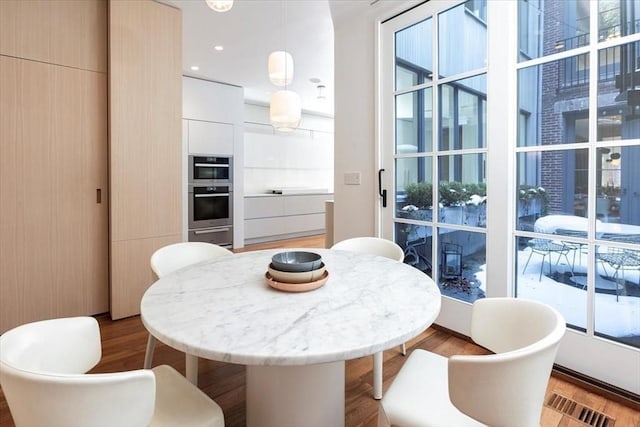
x=617, y=319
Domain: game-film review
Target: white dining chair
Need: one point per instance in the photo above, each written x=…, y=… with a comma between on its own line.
x=173, y=257
x=502, y=389
x=43, y=375
x=388, y=249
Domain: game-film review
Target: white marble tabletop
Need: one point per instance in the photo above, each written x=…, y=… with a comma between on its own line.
x=222, y=309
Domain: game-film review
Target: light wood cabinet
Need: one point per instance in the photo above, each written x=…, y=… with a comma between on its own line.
x=145, y=75
x=54, y=154
x=63, y=32
x=53, y=158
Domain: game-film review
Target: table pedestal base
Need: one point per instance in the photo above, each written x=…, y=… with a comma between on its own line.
x=294, y=396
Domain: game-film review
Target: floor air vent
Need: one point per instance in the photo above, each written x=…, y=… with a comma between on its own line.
x=579, y=412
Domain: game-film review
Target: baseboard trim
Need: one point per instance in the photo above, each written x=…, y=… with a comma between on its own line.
x=611, y=392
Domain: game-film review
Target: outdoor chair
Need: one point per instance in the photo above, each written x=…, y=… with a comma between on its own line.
x=546, y=247
x=387, y=249
x=414, y=254
x=43, y=375
x=502, y=389
x=575, y=247
x=619, y=259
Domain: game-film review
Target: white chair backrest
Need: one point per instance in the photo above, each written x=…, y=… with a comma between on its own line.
x=510, y=385
x=65, y=346
x=174, y=257
x=372, y=245
x=42, y=367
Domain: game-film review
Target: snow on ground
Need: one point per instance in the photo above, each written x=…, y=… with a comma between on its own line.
x=614, y=318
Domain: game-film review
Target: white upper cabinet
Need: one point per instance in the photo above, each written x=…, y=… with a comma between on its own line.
x=210, y=138
x=212, y=102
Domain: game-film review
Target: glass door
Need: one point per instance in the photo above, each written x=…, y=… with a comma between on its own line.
x=510, y=152
x=435, y=158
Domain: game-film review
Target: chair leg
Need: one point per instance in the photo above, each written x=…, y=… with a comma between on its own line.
x=527, y=263
x=616, y=275
x=403, y=349
x=542, y=266
x=568, y=263
x=377, y=376
x=148, y=356
x=606, y=273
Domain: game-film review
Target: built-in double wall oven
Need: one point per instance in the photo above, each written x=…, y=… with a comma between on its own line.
x=210, y=195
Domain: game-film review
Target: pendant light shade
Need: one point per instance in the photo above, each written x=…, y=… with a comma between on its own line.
x=285, y=110
x=220, y=5
x=280, y=68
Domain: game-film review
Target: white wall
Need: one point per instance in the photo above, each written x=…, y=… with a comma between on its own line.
x=355, y=133
x=302, y=158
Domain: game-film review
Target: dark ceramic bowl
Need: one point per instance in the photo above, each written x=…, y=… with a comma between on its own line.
x=296, y=261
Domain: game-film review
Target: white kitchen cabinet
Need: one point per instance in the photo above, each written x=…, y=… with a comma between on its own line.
x=263, y=207
x=212, y=102
x=277, y=217
x=263, y=227
x=210, y=138
x=304, y=204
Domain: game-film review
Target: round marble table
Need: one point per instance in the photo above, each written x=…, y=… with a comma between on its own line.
x=294, y=344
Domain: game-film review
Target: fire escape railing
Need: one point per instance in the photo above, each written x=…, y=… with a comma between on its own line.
x=574, y=71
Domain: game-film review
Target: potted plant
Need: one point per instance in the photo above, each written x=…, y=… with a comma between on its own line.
x=532, y=200
x=419, y=201
x=463, y=203
x=453, y=194
x=420, y=194
x=475, y=209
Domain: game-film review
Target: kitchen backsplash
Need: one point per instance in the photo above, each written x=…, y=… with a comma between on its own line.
x=303, y=158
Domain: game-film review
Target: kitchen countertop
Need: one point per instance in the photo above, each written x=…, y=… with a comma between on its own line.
x=310, y=193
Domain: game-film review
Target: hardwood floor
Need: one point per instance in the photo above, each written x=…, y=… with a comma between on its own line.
x=124, y=343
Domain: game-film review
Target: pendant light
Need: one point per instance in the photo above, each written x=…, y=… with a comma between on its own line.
x=280, y=68
x=220, y=5
x=285, y=110
x=284, y=105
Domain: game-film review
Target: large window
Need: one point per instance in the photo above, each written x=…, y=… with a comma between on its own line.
x=578, y=194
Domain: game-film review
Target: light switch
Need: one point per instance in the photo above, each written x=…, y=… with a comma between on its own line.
x=352, y=178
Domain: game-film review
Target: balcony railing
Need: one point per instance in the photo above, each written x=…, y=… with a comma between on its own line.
x=574, y=71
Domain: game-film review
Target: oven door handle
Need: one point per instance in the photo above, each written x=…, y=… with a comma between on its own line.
x=212, y=195
x=217, y=230
x=209, y=165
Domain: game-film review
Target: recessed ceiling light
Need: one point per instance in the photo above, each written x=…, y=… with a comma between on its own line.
x=314, y=80
x=194, y=68
x=218, y=47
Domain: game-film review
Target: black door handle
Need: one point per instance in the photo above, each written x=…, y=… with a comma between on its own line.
x=381, y=192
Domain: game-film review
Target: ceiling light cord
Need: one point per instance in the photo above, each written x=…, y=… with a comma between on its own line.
x=284, y=26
